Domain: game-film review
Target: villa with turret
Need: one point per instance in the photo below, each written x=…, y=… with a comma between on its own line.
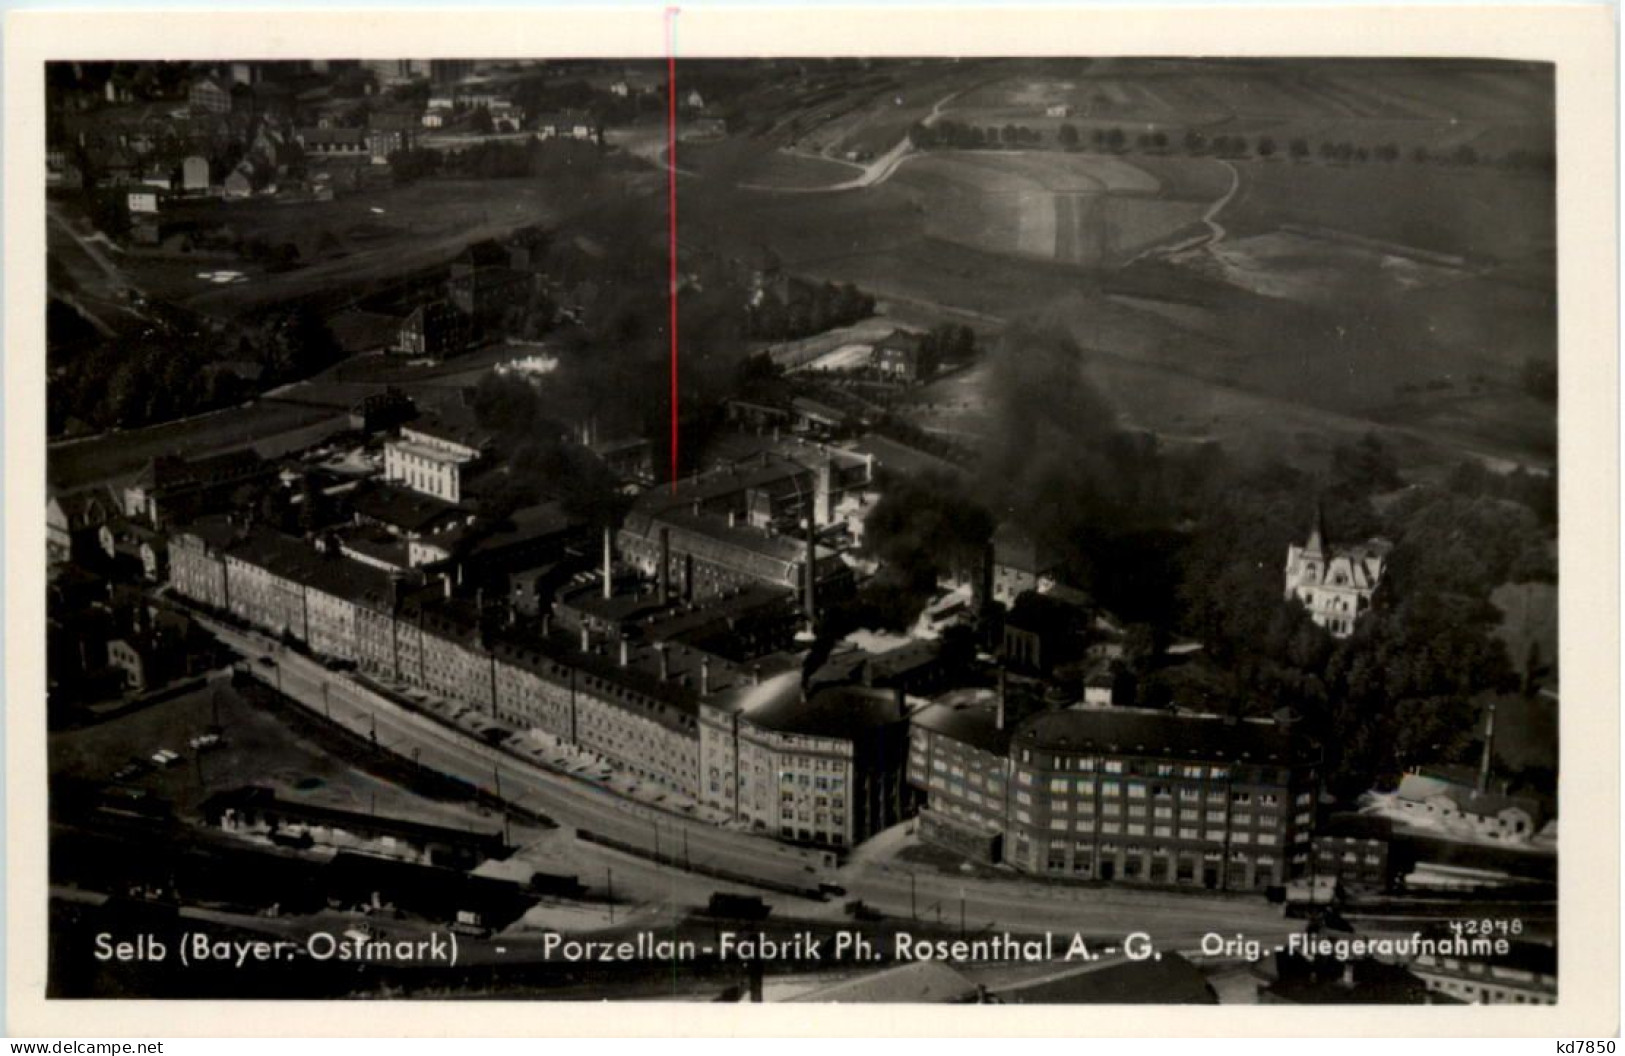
x=1335, y=583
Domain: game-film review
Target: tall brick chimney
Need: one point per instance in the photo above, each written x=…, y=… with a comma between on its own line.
x=665, y=565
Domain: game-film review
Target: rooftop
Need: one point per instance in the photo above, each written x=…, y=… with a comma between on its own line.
x=969, y=716
x=291, y=559
x=1137, y=731
x=408, y=510
x=672, y=701
x=842, y=710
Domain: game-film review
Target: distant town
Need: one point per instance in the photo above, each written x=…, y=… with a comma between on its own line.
x=1098, y=543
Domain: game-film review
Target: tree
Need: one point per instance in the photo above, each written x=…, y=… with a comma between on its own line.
x=296, y=342
x=1067, y=136
x=1266, y=146
x=1365, y=466
x=1299, y=149
x=480, y=120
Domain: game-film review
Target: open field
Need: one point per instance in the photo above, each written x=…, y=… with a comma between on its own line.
x=1479, y=214
x=1316, y=302
x=345, y=243
x=297, y=416
x=263, y=425
x=1492, y=107
x=748, y=162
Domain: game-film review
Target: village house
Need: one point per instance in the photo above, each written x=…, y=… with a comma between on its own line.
x=210, y=95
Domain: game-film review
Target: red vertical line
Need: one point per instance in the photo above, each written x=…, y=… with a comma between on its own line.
x=671, y=212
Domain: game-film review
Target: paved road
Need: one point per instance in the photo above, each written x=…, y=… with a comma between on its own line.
x=1174, y=921
x=569, y=801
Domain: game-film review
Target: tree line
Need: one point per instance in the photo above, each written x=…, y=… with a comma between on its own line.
x=175, y=371
x=957, y=135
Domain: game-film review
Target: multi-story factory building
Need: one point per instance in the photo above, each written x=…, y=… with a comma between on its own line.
x=822, y=764
x=1121, y=794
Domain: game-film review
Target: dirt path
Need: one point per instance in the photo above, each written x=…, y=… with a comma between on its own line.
x=1210, y=216
x=1216, y=232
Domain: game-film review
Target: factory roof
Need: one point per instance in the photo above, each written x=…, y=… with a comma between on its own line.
x=969, y=716
x=1138, y=731
x=841, y=710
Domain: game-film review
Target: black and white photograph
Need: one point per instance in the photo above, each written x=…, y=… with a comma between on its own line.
x=1002, y=530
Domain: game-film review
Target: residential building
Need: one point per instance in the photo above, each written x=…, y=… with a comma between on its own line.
x=389, y=131
x=73, y=523
x=196, y=569
x=568, y=126
x=210, y=95
x=1335, y=583
x=903, y=355
x=391, y=72
x=195, y=174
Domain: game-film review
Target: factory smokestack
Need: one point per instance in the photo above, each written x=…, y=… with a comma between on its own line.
x=705, y=676
x=665, y=662
x=812, y=571
x=665, y=565
x=609, y=562
x=998, y=715
x=1489, y=750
